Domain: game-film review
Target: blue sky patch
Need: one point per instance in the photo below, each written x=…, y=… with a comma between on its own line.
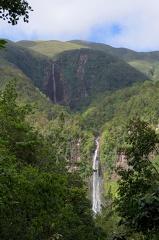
x=115, y=29
x=102, y=33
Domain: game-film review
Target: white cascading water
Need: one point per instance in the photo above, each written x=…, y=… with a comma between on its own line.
x=96, y=195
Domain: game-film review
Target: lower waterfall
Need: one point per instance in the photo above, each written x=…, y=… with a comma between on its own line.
x=96, y=192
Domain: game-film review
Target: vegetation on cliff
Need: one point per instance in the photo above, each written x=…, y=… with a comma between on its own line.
x=76, y=77
x=39, y=197
x=46, y=149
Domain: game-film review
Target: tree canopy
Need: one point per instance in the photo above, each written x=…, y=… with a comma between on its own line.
x=12, y=10
x=138, y=194
x=38, y=200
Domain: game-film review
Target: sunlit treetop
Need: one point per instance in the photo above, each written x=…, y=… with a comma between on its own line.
x=12, y=10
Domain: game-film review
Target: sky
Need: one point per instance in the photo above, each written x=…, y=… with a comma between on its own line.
x=132, y=24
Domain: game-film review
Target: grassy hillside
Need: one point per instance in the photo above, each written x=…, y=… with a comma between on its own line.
x=50, y=48
x=149, y=67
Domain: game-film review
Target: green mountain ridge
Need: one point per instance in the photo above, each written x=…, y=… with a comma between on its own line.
x=146, y=62
x=50, y=48
x=88, y=73
x=76, y=77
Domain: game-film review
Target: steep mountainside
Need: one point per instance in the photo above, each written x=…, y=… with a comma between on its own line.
x=76, y=77
x=87, y=73
x=146, y=62
x=18, y=63
x=33, y=64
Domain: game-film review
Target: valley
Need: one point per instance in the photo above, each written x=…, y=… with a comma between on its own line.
x=69, y=93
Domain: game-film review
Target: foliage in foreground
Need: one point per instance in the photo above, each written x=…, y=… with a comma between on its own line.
x=13, y=10
x=37, y=201
x=133, y=212
x=137, y=203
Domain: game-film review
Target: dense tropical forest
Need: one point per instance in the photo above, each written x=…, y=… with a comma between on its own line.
x=47, y=147
x=56, y=100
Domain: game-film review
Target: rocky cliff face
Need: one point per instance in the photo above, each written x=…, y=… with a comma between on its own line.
x=82, y=74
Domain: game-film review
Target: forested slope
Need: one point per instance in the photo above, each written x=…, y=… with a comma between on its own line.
x=146, y=62
x=76, y=77
x=47, y=144
x=39, y=197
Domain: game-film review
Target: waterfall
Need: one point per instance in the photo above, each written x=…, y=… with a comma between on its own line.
x=96, y=193
x=53, y=82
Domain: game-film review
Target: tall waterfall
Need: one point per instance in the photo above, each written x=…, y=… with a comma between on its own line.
x=96, y=195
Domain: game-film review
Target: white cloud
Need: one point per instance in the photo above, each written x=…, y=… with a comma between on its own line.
x=74, y=19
